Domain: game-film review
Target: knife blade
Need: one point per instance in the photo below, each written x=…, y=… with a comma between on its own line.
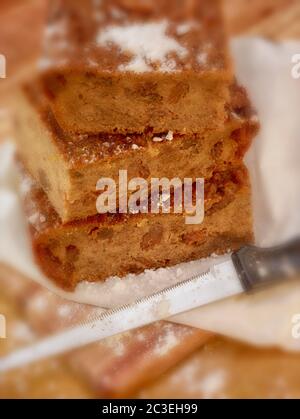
x=245, y=270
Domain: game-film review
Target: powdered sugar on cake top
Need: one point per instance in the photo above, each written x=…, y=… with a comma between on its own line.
x=57, y=29
x=148, y=43
x=186, y=27
x=202, y=58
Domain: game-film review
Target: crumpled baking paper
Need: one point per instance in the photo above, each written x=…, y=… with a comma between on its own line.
x=263, y=319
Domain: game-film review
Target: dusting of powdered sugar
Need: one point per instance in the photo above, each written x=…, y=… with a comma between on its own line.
x=186, y=27
x=199, y=380
x=55, y=34
x=166, y=342
x=212, y=384
x=57, y=29
x=56, y=44
x=46, y=63
x=148, y=43
x=26, y=184
x=168, y=137
x=116, y=344
x=202, y=58
x=119, y=291
x=36, y=218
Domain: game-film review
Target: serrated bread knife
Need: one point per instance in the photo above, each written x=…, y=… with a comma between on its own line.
x=245, y=270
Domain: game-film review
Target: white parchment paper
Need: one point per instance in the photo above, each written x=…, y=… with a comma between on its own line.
x=274, y=163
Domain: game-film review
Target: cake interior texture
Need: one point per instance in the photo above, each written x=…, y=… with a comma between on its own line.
x=119, y=65
x=69, y=166
x=108, y=245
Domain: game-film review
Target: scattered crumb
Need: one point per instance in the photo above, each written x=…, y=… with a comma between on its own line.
x=157, y=139
x=169, y=136
x=235, y=115
x=33, y=218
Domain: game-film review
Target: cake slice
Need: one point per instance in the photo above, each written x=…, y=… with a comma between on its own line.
x=131, y=65
x=69, y=166
x=118, y=244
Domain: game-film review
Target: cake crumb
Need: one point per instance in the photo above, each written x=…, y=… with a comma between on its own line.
x=157, y=139
x=34, y=218
x=169, y=136
x=235, y=115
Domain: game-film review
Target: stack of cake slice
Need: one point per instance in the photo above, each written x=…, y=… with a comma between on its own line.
x=143, y=87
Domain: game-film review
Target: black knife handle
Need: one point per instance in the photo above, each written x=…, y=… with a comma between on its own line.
x=257, y=267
